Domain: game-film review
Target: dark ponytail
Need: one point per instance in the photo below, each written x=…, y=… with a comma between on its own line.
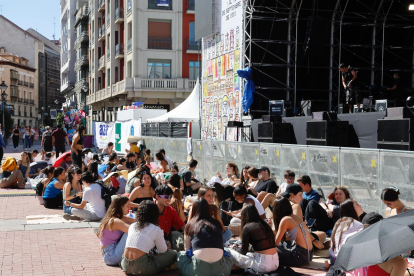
x=390, y=194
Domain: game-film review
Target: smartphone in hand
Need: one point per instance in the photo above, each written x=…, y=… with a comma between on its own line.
x=310, y=222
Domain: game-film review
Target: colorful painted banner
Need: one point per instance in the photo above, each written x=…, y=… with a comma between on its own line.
x=222, y=88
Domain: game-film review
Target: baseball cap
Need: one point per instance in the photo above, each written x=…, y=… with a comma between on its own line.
x=371, y=218
x=292, y=189
x=264, y=168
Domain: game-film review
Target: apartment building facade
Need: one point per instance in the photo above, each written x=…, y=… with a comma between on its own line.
x=67, y=53
x=20, y=77
x=136, y=53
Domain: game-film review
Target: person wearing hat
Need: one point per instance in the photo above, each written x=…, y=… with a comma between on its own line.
x=265, y=184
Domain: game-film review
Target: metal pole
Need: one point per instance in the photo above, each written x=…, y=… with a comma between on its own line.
x=383, y=42
x=331, y=62
x=4, y=126
x=296, y=54
x=289, y=50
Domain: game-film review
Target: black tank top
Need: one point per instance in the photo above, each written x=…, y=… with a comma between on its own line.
x=207, y=238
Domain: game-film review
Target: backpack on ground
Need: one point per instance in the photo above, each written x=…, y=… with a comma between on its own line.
x=107, y=192
x=8, y=166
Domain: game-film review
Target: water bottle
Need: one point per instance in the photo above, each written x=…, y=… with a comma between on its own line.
x=130, y=214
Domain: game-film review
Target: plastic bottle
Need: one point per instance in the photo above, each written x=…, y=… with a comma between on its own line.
x=130, y=214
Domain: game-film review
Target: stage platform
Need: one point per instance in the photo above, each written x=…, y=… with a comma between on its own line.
x=362, y=128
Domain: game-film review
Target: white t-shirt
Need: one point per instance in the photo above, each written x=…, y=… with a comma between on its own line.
x=283, y=187
x=95, y=203
x=170, y=163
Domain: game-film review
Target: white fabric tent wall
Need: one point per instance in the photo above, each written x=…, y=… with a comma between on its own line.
x=188, y=111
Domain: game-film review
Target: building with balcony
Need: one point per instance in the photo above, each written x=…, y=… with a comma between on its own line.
x=15, y=72
x=191, y=47
x=68, y=54
x=136, y=54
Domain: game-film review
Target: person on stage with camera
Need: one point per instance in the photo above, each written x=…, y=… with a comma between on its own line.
x=350, y=83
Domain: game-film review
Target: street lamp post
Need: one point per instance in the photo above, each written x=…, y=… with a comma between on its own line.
x=3, y=88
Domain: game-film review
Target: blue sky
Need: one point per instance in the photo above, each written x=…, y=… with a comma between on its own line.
x=35, y=14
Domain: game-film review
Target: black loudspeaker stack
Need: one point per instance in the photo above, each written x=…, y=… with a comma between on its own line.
x=327, y=133
x=273, y=131
x=396, y=131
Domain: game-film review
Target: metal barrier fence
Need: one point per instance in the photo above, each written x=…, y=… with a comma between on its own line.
x=365, y=172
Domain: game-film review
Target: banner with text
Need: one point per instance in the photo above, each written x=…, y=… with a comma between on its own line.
x=222, y=87
x=103, y=134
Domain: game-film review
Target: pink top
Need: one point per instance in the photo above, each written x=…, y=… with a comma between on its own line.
x=375, y=270
x=110, y=237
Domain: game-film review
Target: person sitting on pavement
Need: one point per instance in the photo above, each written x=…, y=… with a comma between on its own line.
x=253, y=174
x=348, y=224
x=52, y=197
x=121, y=166
x=308, y=192
x=92, y=207
x=108, y=150
x=390, y=197
x=241, y=196
x=326, y=214
x=130, y=161
x=133, y=148
x=259, y=234
x=168, y=216
x=41, y=186
x=163, y=167
x=113, y=159
x=47, y=156
x=11, y=177
x=24, y=164
x=72, y=190
x=113, y=230
x=207, y=194
x=203, y=242
x=244, y=176
x=170, y=162
x=35, y=153
x=176, y=200
x=231, y=177
x=289, y=177
x=190, y=186
x=293, y=240
x=143, y=235
x=265, y=184
x=145, y=191
x=147, y=158
x=93, y=168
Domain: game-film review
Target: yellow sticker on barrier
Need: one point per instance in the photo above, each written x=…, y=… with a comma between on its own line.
x=239, y=149
x=182, y=145
x=256, y=152
x=277, y=153
x=174, y=144
x=200, y=146
x=160, y=142
x=334, y=159
x=373, y=163
x=303, y=155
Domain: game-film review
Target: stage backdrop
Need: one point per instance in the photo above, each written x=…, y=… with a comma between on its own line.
x=221, y=86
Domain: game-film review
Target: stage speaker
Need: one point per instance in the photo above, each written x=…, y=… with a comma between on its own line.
x=327, y=133
x=269, y=132
x=396, y=134
x=399, y=113
x=272, y=118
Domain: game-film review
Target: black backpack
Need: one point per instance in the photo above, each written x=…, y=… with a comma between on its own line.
x=48, y=139
x=107, y=192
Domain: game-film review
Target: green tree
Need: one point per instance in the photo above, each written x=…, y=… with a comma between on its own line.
x=60, y=119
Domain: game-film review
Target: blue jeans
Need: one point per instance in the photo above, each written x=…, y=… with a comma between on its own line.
x=67, y=209
x=27, y=142
x=112, y=254
x=227, y=235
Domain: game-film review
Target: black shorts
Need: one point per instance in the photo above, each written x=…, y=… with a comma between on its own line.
x=353, y=96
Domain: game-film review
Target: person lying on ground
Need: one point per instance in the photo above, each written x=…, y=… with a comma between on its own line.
x=190, y=185
x=145, y=191
x=143, y=235
x=293, y=240
x=113, y=231
x=203, y=242
x=52, y=196
x=390, y=197
x=168, y=216
x=257, y=233
x=326, y=214
x=72, y=190
x=92, y=207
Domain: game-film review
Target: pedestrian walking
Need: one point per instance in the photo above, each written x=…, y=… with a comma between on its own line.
x=26, y=135
x=32, y=134
x=47, y=141
x=58, y=139
x=16, y=136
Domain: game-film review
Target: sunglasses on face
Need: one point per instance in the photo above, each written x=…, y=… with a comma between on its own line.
x=166, y=196
x=290, y=178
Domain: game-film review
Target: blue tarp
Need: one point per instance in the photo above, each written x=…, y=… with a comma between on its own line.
x=249, y=88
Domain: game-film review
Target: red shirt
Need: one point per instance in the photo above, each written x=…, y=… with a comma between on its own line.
x=59, y=135
x=168, y=218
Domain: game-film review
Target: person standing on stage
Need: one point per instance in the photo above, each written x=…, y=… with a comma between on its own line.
x=77, y=145
x=350, y=83
x=397, y=91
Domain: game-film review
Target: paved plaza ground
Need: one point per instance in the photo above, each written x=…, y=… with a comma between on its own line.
x=54, y=248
